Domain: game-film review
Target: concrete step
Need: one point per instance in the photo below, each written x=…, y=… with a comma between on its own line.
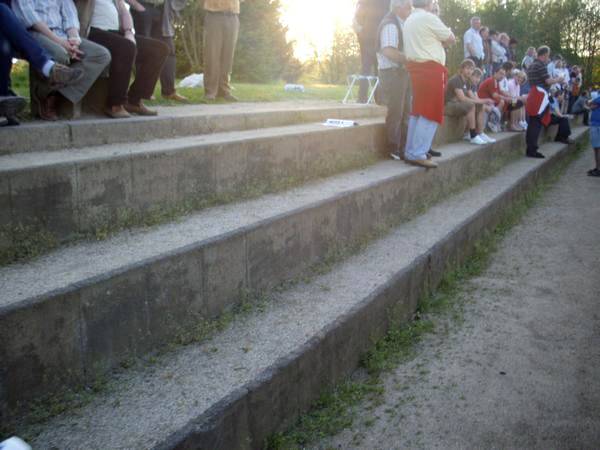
x=256, y=376
x=81, y=310
x=174, y=122
x=70, y=193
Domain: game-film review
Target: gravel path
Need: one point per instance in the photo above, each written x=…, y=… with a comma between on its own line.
x=521, y=369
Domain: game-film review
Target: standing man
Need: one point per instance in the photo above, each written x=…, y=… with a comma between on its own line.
x=473, y=43
x=367, y=18
x=538, y=104
x=425, y=36
x=395, y=80
x=221, y=28
x=155, y=19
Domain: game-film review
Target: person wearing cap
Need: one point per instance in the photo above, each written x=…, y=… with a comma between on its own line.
x=425, y=36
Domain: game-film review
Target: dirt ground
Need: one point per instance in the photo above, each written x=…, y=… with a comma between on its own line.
x=520, y=367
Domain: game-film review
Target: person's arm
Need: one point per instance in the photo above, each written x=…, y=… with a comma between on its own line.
x=479, y=101
x=469, y=43
x=389, y=42
x=126, y=21
x=441, y=31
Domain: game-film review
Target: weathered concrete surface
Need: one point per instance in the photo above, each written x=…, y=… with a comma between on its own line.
x=267, y=367
x=174, y=122
x=78, y=191
x=138, y=290
x=523, y=369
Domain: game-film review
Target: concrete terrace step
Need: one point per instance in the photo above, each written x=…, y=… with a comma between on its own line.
x=78, y=191
x=261, y=372
x=173, y=122
x=81, y=310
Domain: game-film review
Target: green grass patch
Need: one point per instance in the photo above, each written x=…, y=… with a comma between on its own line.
x=245, y=92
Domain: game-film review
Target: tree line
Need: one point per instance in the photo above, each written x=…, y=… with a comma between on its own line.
x=569, y=27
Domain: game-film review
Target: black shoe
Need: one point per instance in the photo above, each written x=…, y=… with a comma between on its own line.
x=434, y=153
x=537, y=155
x=594, y=173
x=11, y=106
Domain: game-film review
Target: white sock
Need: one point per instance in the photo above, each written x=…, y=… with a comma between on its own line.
x=48, y=68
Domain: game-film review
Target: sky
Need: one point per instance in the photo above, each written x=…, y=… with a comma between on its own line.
x=312, y=23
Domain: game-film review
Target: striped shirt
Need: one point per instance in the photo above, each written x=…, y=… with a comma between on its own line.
x=538, y=74
x=58, y=15
x=389, y=38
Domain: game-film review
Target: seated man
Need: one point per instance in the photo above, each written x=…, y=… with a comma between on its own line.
x=15, y=38
x=490, y=89
x=460, y=104
x=557, y=117
x=56, y=28
x=109, y=24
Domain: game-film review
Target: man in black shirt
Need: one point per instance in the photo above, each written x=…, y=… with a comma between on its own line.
x=537, y=101
x=368, y=16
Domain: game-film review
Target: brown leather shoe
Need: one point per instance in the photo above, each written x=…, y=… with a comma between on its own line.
x=140, y=109
x=176, y=97
x=48, y=108
x=116, y=112
x=423, y=163
x=61, y=76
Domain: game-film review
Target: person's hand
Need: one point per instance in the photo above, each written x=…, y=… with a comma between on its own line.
x=72, y=48
x=130, y=36
x=489, y=102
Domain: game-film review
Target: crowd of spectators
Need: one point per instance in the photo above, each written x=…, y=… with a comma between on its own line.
x=71, y=43
x=495, y=89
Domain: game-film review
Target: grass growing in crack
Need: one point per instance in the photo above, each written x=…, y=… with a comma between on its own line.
x=336, y=411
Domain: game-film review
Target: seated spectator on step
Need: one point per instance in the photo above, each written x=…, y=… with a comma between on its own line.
x=490, y=89
x=395, y=81
x=109, y=23
x=15, y=39
x=484, y=106
x=515, y=107
x=460, y=104
x=557, y=117
x=580, y=107
x=55, y=27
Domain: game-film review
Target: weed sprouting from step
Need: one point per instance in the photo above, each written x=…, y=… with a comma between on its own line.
x=336, y=410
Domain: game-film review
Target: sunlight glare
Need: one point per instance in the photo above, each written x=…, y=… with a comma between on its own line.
x=312, y=23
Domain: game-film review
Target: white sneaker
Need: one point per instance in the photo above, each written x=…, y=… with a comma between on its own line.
x=467, y=137
x=523, y=124
x=487, y=139
x=477, y=140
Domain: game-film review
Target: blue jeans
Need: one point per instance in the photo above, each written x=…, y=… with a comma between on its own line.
x=14, y=38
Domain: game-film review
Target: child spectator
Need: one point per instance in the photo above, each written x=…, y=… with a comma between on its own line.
x=594, y=105
x=516, y=107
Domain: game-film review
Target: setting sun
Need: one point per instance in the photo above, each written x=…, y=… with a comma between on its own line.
x=312, y=23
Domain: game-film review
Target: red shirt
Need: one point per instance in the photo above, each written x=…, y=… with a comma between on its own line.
x=488, y=88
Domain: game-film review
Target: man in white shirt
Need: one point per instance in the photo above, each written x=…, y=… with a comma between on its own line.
x=395, y=81
x=473, y=43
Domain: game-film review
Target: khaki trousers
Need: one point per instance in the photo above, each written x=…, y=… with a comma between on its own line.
x=94, y=61
x=220, y=36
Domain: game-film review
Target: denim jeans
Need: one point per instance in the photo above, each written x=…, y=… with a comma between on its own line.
x=16, y=40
